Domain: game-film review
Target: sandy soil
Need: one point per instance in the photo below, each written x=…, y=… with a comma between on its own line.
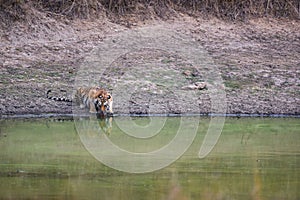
x=258, y=62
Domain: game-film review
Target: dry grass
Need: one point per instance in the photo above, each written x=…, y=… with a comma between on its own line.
x=241, y=9
x=226, y=9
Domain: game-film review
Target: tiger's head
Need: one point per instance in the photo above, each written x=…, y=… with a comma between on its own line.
x=103, y=101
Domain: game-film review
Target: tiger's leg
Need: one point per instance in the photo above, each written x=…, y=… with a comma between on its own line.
x=110, y=107
x=80, y=99
x=92, y=107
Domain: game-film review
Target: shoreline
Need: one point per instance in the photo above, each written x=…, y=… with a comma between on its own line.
x=53, y=115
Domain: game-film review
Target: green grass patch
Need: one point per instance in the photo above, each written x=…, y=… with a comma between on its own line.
x=233, y=84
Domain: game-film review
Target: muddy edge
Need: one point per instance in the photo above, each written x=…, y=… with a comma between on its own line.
x=258, y=62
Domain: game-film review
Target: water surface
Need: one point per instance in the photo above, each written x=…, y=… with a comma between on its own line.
x=254, y=158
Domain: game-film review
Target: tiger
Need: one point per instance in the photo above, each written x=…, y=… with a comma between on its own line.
x=95, y=99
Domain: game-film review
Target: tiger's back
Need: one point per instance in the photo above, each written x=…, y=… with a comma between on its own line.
x=95, y=99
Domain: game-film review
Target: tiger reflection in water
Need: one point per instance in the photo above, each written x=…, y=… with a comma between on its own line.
x=94, y=125
x=105, y=124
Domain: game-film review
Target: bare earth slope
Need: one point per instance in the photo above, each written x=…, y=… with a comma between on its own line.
x=259, y=61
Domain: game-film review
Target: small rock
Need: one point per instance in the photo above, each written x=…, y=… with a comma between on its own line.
x=187, y=72
x=189, y=87
x=195, y=74
x=266, y=75
x=201, y=85
x=195, y=86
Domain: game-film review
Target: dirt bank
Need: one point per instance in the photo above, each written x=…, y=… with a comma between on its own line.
x=258, y=62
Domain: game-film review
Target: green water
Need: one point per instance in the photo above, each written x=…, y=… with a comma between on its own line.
x=254, y=158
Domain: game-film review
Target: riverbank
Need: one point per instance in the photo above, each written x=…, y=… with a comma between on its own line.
x=258, y=61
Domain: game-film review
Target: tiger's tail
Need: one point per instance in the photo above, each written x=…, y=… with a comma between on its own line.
x=58, y=98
